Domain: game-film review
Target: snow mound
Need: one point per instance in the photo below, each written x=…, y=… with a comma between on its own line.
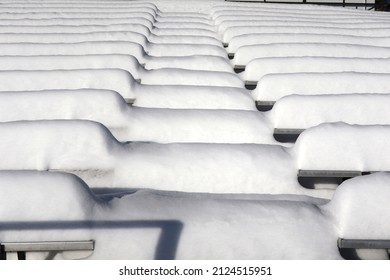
x=235, y=31
x=133, y=25
x=304, y=111
x=247, y=53
x=128, y=123
x=73, y=62
x=159, y=50
x=184, y=32
x=106, y=107
x=195, y=62
x=125, y=36
x=42, y=145
x=142, y=12
x=339, y=146
x=258, y=68
x=32, y=196
x=84, y=48
x=193, y=97
x=109, y=79
x=191, y=77
x=275, y=86
x=361, y=207
x=252, y=22
x=105, y=22
x=196, y=40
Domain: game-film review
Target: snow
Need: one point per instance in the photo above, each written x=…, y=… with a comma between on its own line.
x=274, y=86
x=305, y=111
x=360, y=207
x=192, y=159
x=147, y=213
x=137, y=25
x=138, y=12
x=184, y=50
x=241, y=21
x=110, y=79
x=258, y=68
x=73, y=62
x=128, y=123
x=125, y=36
x=175, y=39
x=191, y=77
x=32, y=190
x=247, y=53
x=232, y=32
x=269, y=38
x=83, y=48
x=339, y=146
x=77, y=22
x=194, y=97
x=193, y=62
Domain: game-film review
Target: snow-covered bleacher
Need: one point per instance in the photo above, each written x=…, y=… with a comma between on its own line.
x=128, y=119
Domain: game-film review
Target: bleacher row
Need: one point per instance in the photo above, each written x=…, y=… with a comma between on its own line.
x=141, y=97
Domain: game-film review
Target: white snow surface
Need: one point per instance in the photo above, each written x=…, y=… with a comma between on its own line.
x=233, y=32
x=339, y=146
x=360, y=207
x=275, y=86
x=137, y=221
x=258, y=68
x=128, y=123
x=117, y=80
x=247, y=53
x=73, y=62
x=305, y=111
x=192, y=159
x=269, y=38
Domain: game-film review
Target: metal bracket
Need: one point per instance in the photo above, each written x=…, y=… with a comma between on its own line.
x=47, y=246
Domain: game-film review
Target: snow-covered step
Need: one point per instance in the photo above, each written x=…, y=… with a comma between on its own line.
x=185, y=32
x=83, y=48
x=342, y=148
x=258, y=68
x=183, y=16
x=85, y=4
x=248, y=53
x=89, y=150
x=119, y=61
x=272, y=87
x=184, y=39
x=128, y=123
x=269, y=38
x=184, y=25
x=193, y=62
x=297, y=14
x=171, y=76
x=141, y=12
x=328, y=221
x=70, y=9
x=56, y=38
x=233, y=32
x=293, y=114
x=103, y=22
x=277, y=21
x=79, y=29
x=193, y=97
x=117, y=80
x=139, y=229
x=73, y=62
x=77, y=4
x=173, y=50
x=264, y=7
